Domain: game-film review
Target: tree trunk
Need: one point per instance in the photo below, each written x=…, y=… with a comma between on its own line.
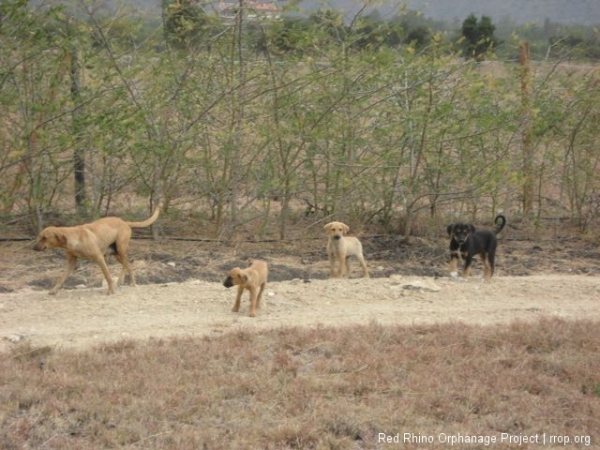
x=528, y=156
x=79, y=151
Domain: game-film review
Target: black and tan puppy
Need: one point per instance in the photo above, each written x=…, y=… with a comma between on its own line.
x=466, y=243
x=253, y=278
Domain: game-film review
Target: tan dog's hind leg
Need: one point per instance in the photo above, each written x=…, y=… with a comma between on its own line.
x=363, y=264
x=122, y=246
x=260, y=293
x=126, y=269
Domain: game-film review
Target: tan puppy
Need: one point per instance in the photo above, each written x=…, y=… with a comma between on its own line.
x=254, y=278
x=340, y=248
x=91, y=241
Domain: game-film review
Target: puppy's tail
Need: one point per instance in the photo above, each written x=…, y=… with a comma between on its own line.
x=499, y=221
x=147, y=222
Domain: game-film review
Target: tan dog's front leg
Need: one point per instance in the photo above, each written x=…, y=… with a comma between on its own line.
x=332, y=272
x=253, y=301
x=348, y=267
x=71, y=265
x=238, y=299
x=342, y=266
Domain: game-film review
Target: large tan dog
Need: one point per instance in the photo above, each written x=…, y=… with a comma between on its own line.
x=91, y=241
x=340, y=248
x=253, y=278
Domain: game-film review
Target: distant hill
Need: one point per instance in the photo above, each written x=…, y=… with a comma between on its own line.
x=584, y=12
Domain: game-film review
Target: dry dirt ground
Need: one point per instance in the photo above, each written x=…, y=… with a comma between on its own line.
x=180, y=291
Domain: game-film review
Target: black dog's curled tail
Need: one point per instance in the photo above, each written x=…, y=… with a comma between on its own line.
x=499, y=221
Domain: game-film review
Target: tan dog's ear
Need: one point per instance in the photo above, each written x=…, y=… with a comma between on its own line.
x=327, y=227
x=245, y=277
x=60, y=238
x=345, y=228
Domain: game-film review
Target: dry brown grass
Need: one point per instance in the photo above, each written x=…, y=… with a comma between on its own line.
x=323, y=388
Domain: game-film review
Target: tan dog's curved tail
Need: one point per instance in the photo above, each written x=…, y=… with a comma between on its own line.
x=147, y=222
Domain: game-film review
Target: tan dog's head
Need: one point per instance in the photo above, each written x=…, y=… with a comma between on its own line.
x=336, y=230
x=235, y=278
x=50, y=237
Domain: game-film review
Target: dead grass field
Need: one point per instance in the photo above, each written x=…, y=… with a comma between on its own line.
x=321, y=388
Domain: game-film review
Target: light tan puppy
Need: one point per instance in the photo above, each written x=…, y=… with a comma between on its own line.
x=340, y=248
x=92, y=241
x=253, y=278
